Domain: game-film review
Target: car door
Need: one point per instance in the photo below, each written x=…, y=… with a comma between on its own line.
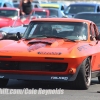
x=95, y=47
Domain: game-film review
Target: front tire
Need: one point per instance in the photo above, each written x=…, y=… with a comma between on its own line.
x=83, y=79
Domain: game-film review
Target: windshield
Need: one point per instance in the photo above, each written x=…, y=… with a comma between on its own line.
x=53, y=12
x=69, y=30
x=39, y=13
x=79, y=8
x=93, y=17
x=9, y=13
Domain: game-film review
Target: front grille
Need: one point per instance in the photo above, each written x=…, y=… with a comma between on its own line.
x=34, y=66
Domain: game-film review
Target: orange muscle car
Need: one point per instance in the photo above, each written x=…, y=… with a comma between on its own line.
x=53, y=49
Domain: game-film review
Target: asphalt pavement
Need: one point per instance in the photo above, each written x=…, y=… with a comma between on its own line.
x=65, y=92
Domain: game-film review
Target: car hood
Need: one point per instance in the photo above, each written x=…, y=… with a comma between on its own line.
x=13, y=30
x=36, y=47
x=5, y=21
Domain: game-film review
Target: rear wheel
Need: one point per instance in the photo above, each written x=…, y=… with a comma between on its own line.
x=83, y=79
x=3, y=82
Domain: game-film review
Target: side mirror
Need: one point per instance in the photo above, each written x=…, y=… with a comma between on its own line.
x=18, y=35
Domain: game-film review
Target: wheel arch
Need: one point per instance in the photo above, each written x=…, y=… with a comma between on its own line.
x=78, y=68
x=83, y=78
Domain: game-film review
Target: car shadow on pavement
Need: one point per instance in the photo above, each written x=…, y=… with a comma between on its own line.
x=22, y=84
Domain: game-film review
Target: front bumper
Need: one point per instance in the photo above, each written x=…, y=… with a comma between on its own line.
x=62, y=78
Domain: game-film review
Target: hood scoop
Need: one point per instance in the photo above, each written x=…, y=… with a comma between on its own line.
x=42, y=41
x=36, y=46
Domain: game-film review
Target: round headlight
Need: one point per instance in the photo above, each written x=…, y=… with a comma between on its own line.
x=2, y=35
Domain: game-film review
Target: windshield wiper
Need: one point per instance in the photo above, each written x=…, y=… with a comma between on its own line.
x=54, y=36
x=48, y=36
x=35, y=36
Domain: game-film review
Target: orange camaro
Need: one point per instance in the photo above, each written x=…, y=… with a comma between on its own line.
x=53, y=49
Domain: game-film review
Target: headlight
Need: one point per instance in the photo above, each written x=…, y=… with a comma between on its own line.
x=2, y=35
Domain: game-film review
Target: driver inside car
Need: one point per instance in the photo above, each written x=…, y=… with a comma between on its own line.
x=46, y=29
x=80, y=32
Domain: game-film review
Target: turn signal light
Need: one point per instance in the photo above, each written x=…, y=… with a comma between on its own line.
x=72, y=71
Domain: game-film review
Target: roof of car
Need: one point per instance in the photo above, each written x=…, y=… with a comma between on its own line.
x=6, y=1
x=88, y=13
x=84, y=3
x=8, y=8
x=62, y=20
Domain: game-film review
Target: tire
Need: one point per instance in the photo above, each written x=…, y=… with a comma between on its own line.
x=99, y=79
x=83, y=79
x=3, y=82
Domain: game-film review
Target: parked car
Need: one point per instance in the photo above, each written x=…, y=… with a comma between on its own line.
x=8, y=16
x=11, y=32
x=50, y=50
x=93, y=16
x=59, y=6
x=78, y=7
x=35, y=13
x=40, y=12
x=56, y=13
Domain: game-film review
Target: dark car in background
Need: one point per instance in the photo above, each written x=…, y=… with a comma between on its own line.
x=59, y=6
x=93, y=16
x=78, y=7
x=56, y=13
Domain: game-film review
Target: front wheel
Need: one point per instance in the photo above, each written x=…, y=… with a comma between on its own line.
x=83, y=79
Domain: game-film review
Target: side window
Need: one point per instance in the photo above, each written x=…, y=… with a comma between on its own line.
x=92, y=32
x=96, y=31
